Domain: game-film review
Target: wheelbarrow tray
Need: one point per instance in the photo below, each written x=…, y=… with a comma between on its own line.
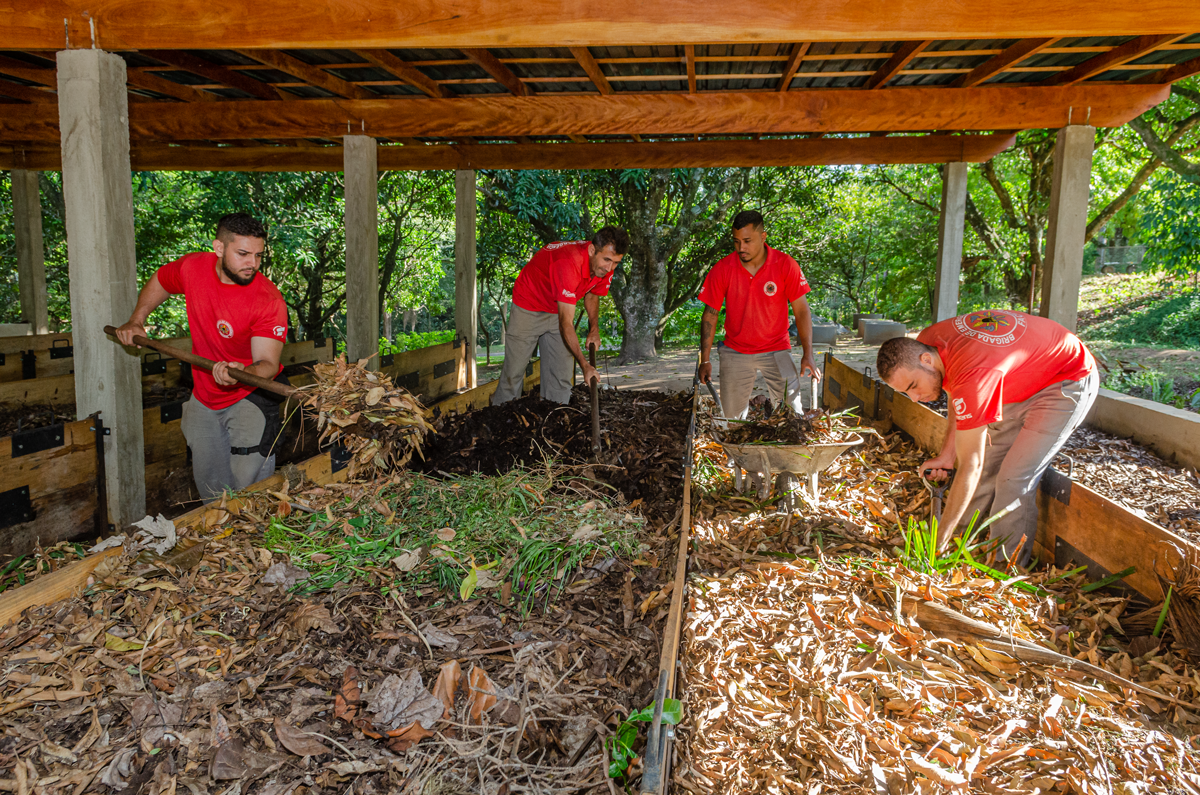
x=799, y=459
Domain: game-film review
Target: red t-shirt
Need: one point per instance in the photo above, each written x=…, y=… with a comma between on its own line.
x=558, y=272
x=222, y=318
x=996, y=356
x=756, y=307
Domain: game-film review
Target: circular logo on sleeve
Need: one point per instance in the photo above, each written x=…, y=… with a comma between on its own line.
x=770, y=288
x=992, y=326
x=225, y=328
x=279, y=331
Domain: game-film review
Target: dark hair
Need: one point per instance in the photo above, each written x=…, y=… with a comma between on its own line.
x=611, y=236
x=747, y=218
x=900, y=352
x=241, y=224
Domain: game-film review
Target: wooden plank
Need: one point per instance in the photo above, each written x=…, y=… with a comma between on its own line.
x=215, y=72
x=663, y=154
x=51, y=588
x=193, y=24
x=908, y=50
x=405, y=71
x=162, y=85
x=48, y=471
x=689, y=57
x=26, y=93
x=58, y=390
x=585, y=59
x=987, y=108
x=1010, y=56
x=499, y=72
x=793, y=63
x=1173, y=74
x=481, y=396
x=1172, y=433
x=422, y=361
x=313, y=75
x=1129, y=51
x=63, y=515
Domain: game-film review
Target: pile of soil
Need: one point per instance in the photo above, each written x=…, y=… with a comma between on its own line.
x=642, y=441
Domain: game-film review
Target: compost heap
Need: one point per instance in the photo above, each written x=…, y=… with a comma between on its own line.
x=642, y=442
x=817, y=656
x=765, y=424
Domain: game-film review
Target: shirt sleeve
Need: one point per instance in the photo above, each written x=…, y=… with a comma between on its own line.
x=795, y=285
x=564, y=278
x=170, y=276
x=272, y=320
x=712, y=294
x=979, y=400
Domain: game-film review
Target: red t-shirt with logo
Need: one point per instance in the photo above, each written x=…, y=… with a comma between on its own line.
x=994, y=357
x=222, y=318
x=558, y=272
x=756, y=307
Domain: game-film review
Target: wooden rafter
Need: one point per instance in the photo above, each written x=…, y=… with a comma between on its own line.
x=680, y=154
x=689, y=56
x=793, y=64
x=1129, y=51
x=908, y=50
x=499, y=72
x=25, y=93
x=161, y=85
x=1010, y=56
x=313, y=75
x=627, y=113
x=585, y=59
x=1173, y=73
x=190, y=63
x=405, y=71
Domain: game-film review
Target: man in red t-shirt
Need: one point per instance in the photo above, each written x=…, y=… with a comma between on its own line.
x=1018, y=386
x=237, y=318
x=756, y=284
x=543, y=312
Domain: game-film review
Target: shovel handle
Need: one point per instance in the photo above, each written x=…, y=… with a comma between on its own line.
x=249, y=379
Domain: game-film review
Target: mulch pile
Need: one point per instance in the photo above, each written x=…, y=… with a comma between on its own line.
x=28, y=417
x=642, y=442
x=782, y=425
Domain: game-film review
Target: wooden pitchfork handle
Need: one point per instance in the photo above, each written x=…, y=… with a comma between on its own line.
x=249, y=379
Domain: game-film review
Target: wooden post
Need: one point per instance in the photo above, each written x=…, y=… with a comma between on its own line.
x=465, y=297
x=1069, y=189
x=31, y=259
x=362, y=247
x=950, y=241
x=98, y=194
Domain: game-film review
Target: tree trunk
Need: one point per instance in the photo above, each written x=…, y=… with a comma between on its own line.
x=640, y=314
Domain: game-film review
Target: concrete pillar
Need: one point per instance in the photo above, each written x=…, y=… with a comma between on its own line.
x=950, y=241
x=98, y=195
x=31, y=258
x=465, y=295
x=1063, y=267
x=362, y=247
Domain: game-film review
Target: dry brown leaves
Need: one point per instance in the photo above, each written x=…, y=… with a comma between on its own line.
x=785, y=426
x=380, y=424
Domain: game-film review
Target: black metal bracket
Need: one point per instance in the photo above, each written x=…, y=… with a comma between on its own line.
x=339, y=458
x=319, y=343
x=155, y=366
x=1057, y=485
x=1, y=359
x=445, y=368
x=57, y=351
x=16, y=507
x=185, y=376
x=409, y=381
x=459, y=341
x=37, y=440
x=387, y=359
x=169, y=412
x=28, y=365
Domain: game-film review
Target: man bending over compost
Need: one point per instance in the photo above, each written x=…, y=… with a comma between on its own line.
x=543, y=313
x=1018, y=386
x=757, y=284
x=237, y=318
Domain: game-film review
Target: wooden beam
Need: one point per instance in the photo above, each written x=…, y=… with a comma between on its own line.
x=405, y=71
x=499, y=72
x=793, y=64
x=584, y=56
x=908, y=50
x=190, y=63
x=1010, y=56
x=1172, y=74
x=659, y=154
x=716, y=113
x=689, y=56
x=26, y=93
x=313, y=75
x=349, y=24
x=161, y=85
x=1129, y=51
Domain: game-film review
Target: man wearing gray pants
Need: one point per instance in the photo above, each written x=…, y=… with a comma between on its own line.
x=756, y=284
x=543, y=314
x=1018, y=385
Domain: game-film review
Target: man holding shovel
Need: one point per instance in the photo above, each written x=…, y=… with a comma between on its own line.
x=238, y=318
x=1018, y=385
x=756, y=284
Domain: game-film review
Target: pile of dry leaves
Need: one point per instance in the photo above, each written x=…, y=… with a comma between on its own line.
x=783, y=425
x=381, y=425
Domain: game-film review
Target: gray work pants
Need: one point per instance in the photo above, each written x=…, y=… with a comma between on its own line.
x=213, y=434
x=1020, y=447
x=739, y=371
x=528, y=331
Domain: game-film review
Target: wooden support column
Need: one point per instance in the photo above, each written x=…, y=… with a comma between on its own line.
x=362, y=247
x=31, y=259
x=950, y=241
x=98, y=196
x=465, y=297
x=1063, y=268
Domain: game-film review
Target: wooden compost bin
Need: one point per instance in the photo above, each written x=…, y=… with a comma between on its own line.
x=1075, y=524
x=48, y=475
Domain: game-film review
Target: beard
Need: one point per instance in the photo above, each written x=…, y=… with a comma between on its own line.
x=236, y=278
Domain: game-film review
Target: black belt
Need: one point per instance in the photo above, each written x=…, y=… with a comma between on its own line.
x=245, y=450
